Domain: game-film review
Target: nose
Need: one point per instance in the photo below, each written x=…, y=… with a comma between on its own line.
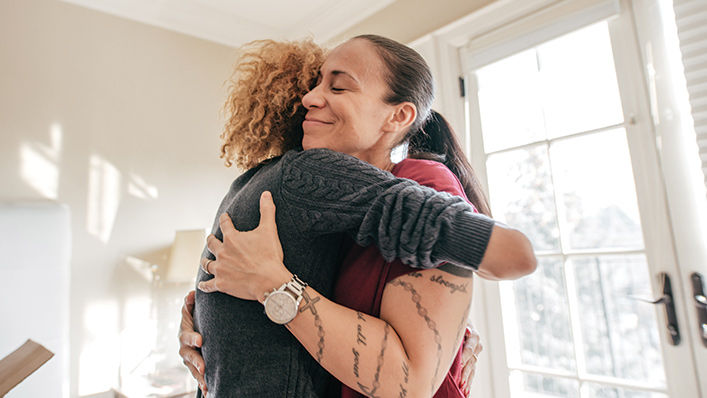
x=314, y=98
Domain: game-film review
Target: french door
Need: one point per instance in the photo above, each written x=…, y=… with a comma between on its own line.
x=561, y=129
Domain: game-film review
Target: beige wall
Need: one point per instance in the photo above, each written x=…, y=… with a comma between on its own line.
x=120, y=121
x=407, y=20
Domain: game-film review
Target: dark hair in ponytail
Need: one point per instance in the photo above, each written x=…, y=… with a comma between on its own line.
x=437, y=141
x=430, y=136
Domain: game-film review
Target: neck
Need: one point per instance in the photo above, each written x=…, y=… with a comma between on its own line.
x=380, y=159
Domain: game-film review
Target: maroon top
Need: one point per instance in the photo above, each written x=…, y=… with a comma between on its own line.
x=364, y=273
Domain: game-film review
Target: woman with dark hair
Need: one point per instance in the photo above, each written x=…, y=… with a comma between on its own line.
x=372, y=93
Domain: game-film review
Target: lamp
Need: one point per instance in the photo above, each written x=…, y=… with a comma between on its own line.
x=184, y=255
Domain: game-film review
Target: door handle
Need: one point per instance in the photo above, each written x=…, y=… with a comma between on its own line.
x=671, y=319
x=698, y=294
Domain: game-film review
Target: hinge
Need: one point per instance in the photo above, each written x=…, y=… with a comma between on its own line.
x=462, y=87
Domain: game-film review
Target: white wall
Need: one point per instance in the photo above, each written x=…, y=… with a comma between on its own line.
x=119, y=121
x=408, y=20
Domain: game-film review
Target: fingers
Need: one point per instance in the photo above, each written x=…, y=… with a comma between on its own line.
x=472, y=336
x=192, y=357
x=466, y=378
x=267, y=210
x=205, y=263
x=189, y=301
x=226, y=224
x=197, y=376
x=209, y=286
x=187, y=323
x=190, y=338
x=195, y=363
x=213, y=244
x=472, y=348
x=467, y=353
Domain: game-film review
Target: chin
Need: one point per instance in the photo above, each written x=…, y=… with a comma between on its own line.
x=311, y=143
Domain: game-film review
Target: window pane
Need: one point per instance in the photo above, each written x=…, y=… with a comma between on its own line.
x=590, y=390
x=578, y=80
x=542, y=312
x=509, y=102
x=521, y=194
x=595, y=192
x=525, y=385
x=619, y=334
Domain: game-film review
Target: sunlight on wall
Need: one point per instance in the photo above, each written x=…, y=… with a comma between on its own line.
x=141, y=189
x=138, y=340
x=98, y=363
x=103, y=197
x=38, y=163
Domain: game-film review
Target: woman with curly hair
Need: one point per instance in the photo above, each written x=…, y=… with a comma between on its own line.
x=396, y=330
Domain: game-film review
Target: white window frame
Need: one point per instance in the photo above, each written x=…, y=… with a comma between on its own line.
x=490, y=34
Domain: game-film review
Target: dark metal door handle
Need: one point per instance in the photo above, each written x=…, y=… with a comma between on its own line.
x=671, y=319
x=698, y=294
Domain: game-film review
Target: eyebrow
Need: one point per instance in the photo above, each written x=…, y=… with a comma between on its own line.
x=343, y=73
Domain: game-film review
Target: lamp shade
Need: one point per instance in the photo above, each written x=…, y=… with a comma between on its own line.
x=185, y=255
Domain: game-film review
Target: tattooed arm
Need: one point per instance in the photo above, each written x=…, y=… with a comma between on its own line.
x=405, y=353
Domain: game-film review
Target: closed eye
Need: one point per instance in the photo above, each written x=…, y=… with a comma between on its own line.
x=338, y=89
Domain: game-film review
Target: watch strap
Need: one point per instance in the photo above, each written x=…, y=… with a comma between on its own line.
x=296, y=286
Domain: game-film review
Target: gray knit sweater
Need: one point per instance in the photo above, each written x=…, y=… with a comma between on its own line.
x=320, y=195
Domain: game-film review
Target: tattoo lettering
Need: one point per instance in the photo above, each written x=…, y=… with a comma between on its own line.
x=415, y=274
x=453, y=287
x=356, y=358
x=309, y=305
x=360, y=337
x=376, y=378
x=422, y=311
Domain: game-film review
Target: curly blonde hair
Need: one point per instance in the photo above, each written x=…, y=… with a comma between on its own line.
x=264, y=107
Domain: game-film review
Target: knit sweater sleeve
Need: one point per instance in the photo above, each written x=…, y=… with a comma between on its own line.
x=326, y=192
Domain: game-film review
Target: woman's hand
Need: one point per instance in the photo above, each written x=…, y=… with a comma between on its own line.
x=248, y=264
x=470, y=356
x=189, y=343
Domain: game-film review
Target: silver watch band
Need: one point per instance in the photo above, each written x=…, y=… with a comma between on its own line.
x=296, y=286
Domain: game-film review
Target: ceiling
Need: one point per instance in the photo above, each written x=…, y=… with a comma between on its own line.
x=235, y=22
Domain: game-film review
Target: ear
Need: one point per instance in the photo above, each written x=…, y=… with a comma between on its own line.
x=402, y=117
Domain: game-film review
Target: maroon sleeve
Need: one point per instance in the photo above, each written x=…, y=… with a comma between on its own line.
x=434, y=175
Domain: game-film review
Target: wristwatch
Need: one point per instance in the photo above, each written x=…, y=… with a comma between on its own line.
x=281, y=304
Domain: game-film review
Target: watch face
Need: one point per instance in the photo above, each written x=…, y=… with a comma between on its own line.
x=280, y=307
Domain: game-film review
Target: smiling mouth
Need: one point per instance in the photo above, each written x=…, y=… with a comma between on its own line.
x=314, y=122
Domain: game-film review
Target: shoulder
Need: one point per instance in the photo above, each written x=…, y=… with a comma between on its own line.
x=430, y=173
x=324, y=164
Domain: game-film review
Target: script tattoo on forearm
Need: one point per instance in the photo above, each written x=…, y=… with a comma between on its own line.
x=356, y=359
x=309, y=304
x=376, y=378
x=424, y=313
x=360, y=339
x=453, y=287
